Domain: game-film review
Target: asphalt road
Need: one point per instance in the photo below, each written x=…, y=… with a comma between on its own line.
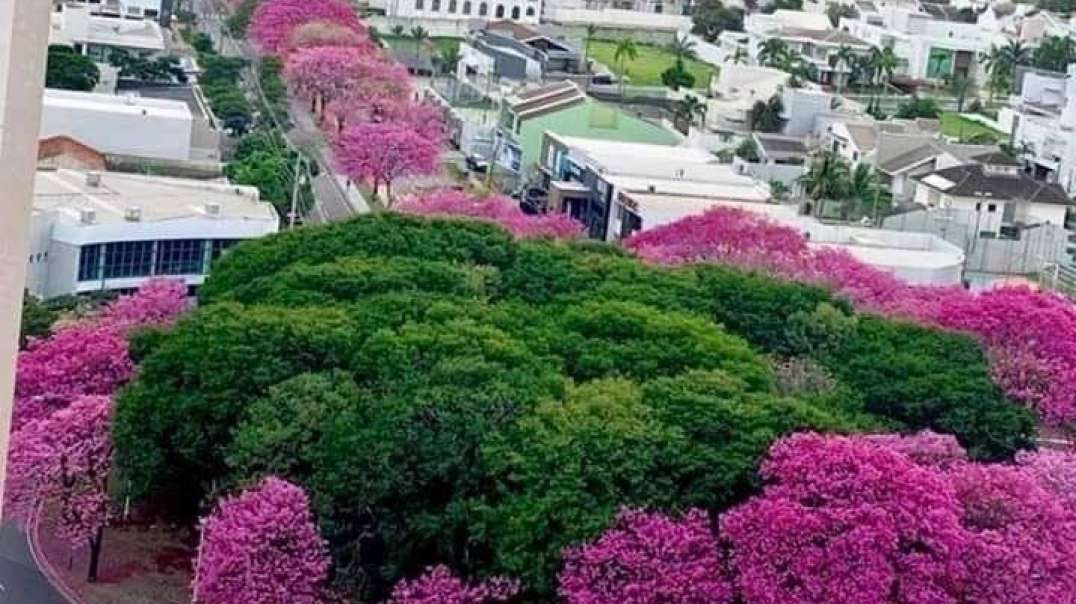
x=20, y=580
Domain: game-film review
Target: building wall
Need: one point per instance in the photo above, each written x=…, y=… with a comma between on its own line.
x=121, y=131
x=589, y=120
x=523, y=11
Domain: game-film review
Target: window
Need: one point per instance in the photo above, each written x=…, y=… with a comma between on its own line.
x=435, y=5
x=992, y=208
x=452, y=6
x=128, y=259
x=180, y=257
x=515, y=13
x=499, y=13
x=530, y=11
x=219, y=246
x=150, y=13
x=420, y=4
x=467, y=7
x=483, y=10
x=979, y=207
x=89, y=262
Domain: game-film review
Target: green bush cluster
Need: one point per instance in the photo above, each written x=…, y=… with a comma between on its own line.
x=450, y=395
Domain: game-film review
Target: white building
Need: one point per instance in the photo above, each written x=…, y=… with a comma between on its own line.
x=120, y=124
x=1044, y=117
x=1003, y=199
x=95, y=36
x=618, y=188
x=927, y=48
x=109, y=231
x=735, y=90
x=154, y=10
x=478, y=11
x=661, y=15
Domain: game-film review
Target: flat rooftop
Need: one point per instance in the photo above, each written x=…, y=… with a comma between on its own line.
x=108, y=31
x=128, y=104
x=69, y=192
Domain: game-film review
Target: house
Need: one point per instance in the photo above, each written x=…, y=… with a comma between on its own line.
x=617, y=188
x=1042, y=117
x=852, y=141
x=563, y=109
x=464, y=11
x=931, y=45
x=508, y=50
x=902, y=157
x=735, y=90
x=128, y=124
x=781, y=158
x=94, y=231
x=154, y=10
x=1005, y=200
x=665, y=16
x=97, y=36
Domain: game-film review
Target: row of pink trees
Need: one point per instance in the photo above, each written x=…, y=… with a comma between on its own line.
x=852, y=519
x=362, y=98
x=1030, y=335
x=60, y=453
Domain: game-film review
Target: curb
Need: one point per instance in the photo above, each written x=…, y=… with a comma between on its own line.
x=33, y=527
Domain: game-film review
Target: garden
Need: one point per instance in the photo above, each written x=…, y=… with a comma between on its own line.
x=649, y=63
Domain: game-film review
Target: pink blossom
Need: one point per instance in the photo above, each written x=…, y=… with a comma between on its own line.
x=439, y=586
x=327, y=33
x=64, y=460
x=273, y=21
x=648, y=559
x=262, y=547
x=1055, y=471
x=925, y=448
x=498, y=209
x=323, y=74
x=158, y=302
x=385, y=152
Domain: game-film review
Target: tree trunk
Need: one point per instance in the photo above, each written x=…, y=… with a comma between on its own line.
x=388, y=193
x=95, y=555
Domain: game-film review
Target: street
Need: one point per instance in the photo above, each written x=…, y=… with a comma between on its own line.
x=20, y=580
x=331, y=201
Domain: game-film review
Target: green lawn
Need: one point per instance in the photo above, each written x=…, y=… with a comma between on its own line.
x=407, y=44
x=646, y=70
x=952, y=124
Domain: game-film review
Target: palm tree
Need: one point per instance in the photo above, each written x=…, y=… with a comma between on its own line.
x=863, y=186
x=1055, y=53
x=827, y=178
x=882, y=63
x=994, y=65
x=447, y=58
x=398, y=31
x=773, y=52
x=683, y=47
x=591, y=31
x=1013, y=55
x=689, y=108
x=739, y=57
x=625, y=51
x=765, y=116
x=419, y=35
x=845, y=58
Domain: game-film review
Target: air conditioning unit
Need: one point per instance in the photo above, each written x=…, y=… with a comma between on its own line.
x=93, y=179
x=87, y=216
x=132, y=214
x=212, y=209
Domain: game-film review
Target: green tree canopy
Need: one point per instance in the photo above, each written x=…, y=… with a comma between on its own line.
x=70, y=70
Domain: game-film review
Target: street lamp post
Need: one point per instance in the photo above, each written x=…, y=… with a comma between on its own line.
x=24, y=26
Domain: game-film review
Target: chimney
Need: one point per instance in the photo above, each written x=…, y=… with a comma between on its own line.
x=212, y=209
x=132, y=214
x=93, y=179
x=87, y=216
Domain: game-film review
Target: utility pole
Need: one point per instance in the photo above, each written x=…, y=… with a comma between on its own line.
x=24, y=27
x=294, y=192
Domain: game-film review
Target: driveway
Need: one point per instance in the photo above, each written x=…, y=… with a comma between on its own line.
x=20, y=580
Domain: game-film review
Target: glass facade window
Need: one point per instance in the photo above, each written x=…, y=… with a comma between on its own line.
x=219, y=246
x=180, y=257
x=128, y=259
x=89, y=262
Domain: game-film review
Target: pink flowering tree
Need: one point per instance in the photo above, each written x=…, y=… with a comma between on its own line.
x=378, y=86
x=383, y=152
x=85, y=358
x=157, y=303
x=648, y=558
x=1023, y=544
x=845, y=520
x=498, y=209
x=327, y=33
x=426, y=118
x=1030, y=336
x=1055, y=471
x=925, y=448
x=322, y=74
x=439, y=586
x=274, y=21
x=64, y=461
x=262, y=547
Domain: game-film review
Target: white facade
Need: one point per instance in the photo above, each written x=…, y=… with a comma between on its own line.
x=95, y=35
x=523, y=11
x=106, y=231
x=1045, y=118
x=122, y=125
x=129, y=9
x=621, y=17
